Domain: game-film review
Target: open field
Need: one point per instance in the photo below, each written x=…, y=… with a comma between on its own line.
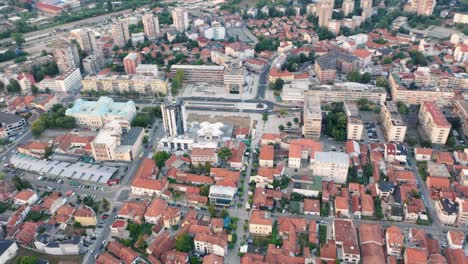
x=52, y=259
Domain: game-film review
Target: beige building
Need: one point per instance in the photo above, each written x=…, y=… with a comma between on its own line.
x=462, y=218
x=120, y=33
x=460, y=109
x=260, y=223
x=331, y=166
x=393, y=123
x=151, y=26
x=354, y=125
x=312, y=117
x=340, y=92
x=85, y=216
x=447, y=211
x=460, y=18
x=433, y=123
x=324, y=12
x=420, y=7
x=348, y=7
x=200, y=73
x=180, y=19
x=86, y=39
x=66, y=55
x=125, y=83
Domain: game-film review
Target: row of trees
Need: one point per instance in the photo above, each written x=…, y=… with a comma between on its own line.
x=55, y=118
x=177, y=82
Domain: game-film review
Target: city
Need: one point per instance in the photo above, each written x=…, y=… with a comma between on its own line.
x=234, y=131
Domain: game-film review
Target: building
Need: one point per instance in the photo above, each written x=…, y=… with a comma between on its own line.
x=395, y=241
x=327, y=65
x=69, y=80
x=180, y=19
x=11, y=124
x=92, y=64
x=125, y=83
x=345, y=236
x=216, y=31
x=459, y=17
x=366, y=6
x=151, y=26
x=85, y=216
x=340, y=92
x=25, y=197
x=212, y=74
x=462, y=218
x=393, y=123
x=202, y=154
x=354, y=125
x=420, y=7
x=95, y=114
x=415, y=256
x=117, y=143
x=66, y=55
x=455, y=239
x=130, y=62
x=207, y=243
x=120, y=33
x=25, y=81
x=447, y=211
x=312, y=117
x=324, y=12
x=267, y=156
x=86, y=39
x=234, y=78
x=222, y=195
x=8, y=249
x=147, y=70
x=145, y=182
x=433, y=123
x=348, y=7
x=173, y=117
x=460, y=109
x=332, y=166
x=260, y=223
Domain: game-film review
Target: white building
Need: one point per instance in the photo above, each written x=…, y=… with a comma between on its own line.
x=216, y=31
x=222, y=195
x=8, y=249
x=180, y=19
x=332, y=166
x=173, y=117
x=69, y=81
x=211, y=244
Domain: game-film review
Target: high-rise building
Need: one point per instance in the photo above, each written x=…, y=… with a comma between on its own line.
x=324, y=12
x=66, y=55
x=312, y=117
x=366, y=6
x=151, y=25
x=354, y=126
x=420, y=7
x=393, y=123
x=180, y=19
x=173, y=117
x=86, y=38
x=433, y=122
x=131, y=61
x=348, y=7
x=120, y=33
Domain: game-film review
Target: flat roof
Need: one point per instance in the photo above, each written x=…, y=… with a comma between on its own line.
x=336, y=157
x=197, y=67
x=130, y=137
x=9, y=118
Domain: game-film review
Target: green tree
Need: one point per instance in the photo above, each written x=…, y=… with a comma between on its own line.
x=27, y=260
x=184, y=243
x=224, y=154
x=18, y=38
x=48, y=152
x=281, y=127
x=205, y=190
x=161, y=157
x=354, y=76
x=289, y=124
x=402, y=108
x=34, y=90
x=296, y=120
x=177, y=82
x=265, y=117
x=14, y=87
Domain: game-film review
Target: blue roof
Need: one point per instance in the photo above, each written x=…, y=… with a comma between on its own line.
x=103, y=106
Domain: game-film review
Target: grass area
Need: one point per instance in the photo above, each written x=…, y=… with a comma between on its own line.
x=422, y=169
x=50, y=258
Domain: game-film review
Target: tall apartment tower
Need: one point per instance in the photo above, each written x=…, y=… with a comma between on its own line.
x=66, y=55
x=312, y=117
x=324, y=12
x=423, y=7
x=120, y=33
x=131, y=61
x=348, y=7
x=366, y=6
x=151, y=25
x=86, y=38
x=173, y=117
x=180, y=19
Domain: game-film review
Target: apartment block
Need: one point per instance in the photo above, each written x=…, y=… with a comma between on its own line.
x=66, y=55
x=393, y=123
x=312, y=117
x=354, y=125
x=331, y=166
x=86, y=39
x=131, y=61
x=180, y=19
x=120, y=33
x=433, y=123
x=151, y=26
x=327, y=65
x=200, y=73
x=260, y=223
x=125, y=83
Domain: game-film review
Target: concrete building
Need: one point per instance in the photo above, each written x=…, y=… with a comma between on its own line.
x=117, y=143
x=151, y=26
x=131, y=61
x=8, y=249
x=447, y=211
x=25, y=81
x=96, y=114
x=331, y=166
x=207, y=243
x=324, y=12
x=260, y=223
x=125, y=83
x=234, y=78
x=462, y=218
x=348, y=7
x=180, y=19
x=345, y=235
x=354, y=125
x=86, y=39
x=200, y=73
x=66, y=55
x=216, y=31
x=433, y=123
x=312, y=117
x=327, y=65
x=173, y=117
x=147, y=70
x=11, y=124
x=92, y=63
x=341, y=92
x=459, y=17
x=366, y=6
x=393, y=123
x=420, y=7
x=120, y=33
x=69, y=80
x=222, y=195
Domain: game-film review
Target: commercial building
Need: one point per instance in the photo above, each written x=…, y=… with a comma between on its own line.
x=324, y=12
x=131, y=61
x=340, y=92
x=354, y=125
x=222, y=195
x=120, y=33
x=327, y=65
x=11, y=124
x=151, y=26
x=312, y=117
x=200, y=73
x=113, y=142
x=180, y=19
x=433, y=123
x=66, y=55
x=95, y=114
x=332, y=166
x=173, y=117
x=125, y=83
x=394, y=126
x=69, y=80
x=86, y=39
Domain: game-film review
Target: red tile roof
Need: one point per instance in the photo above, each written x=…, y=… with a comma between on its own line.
x=267, y=152
x=437, y=115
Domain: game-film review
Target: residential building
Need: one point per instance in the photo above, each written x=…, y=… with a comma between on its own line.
x=354, y=125
x=234, y=78
x=147, y=70
x=25, y=81
x=25, y=197
x=260, y=223
x=332, y=166
x=327, y=65
x=222, y=195
x=455, y=239
x=393, y=123
x=207, y=243
x=267, y=156
x=422, y=154
x=342, y=207
x=155, y=211
x=8, y=249
x=212, y=74
x=394, y=240
x=146, y=182
x=371, y=243
x=433, y=123
x=92, y=64
x=120, y=33
x=312, y=117
x=95, y=114
x=216, y=31
x=345, y=236
x=459, y=17
x=324, y=12
x=307, y=185
x=173, y=117
x=239, y=50
x=180, y=19
x=420, y=7
x=85, y=216
x=66, y=55
x=131, y=61
x=202, y=154
x=348, y=7
x=133, y=211
x=462, y=218
x=125, y=83
x=151, y=26
x=447, y=211
x=312, y=207
x=11, y=124
x=33, y=149
x=340, y=92
x=366, y=6
x=302, y=149
x=86, y=39
x=415, y=256
x=68, y=81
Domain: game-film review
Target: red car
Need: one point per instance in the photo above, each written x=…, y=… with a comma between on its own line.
x=105, y=216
